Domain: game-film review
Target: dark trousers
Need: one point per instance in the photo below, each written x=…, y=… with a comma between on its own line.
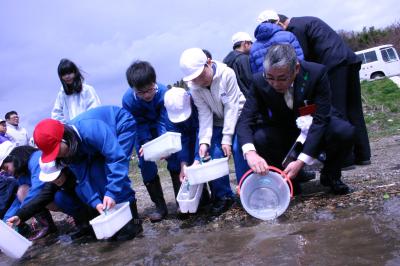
x=346, y=98
x=273, y=143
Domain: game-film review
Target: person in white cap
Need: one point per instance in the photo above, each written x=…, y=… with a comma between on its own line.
x=59, y=188
x=219, y=101
x=184, y=117
x=238, y=60
x=268, y=33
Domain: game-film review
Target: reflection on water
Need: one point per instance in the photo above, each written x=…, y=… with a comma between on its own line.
x=344, y=237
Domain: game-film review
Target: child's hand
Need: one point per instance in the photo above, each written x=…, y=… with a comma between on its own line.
x=13, y=221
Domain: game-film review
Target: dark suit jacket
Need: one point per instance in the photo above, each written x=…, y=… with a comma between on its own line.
x=311, y=84
x=320, y=43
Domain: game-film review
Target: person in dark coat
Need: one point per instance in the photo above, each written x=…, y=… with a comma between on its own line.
x=238, y=60
x=321, y=44
x=279, y=94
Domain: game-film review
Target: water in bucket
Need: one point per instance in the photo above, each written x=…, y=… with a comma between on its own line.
x=265, y=197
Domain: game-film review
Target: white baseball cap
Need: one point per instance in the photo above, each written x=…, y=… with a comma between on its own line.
x=241, y=37
x=5, y=149
x=268, y=14
x=192, y=63
x=49, y=171
x=177, y=103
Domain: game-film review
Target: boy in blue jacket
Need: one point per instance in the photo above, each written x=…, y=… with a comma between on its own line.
x=96, y=145
x=145, y=101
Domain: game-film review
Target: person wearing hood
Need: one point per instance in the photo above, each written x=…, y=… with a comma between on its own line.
x=268, y=33
x=219, y=101
x=238, y=60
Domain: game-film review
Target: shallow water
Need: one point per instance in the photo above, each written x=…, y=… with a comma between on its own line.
x=342, y=237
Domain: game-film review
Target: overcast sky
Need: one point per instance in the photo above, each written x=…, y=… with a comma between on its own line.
x=104, y=37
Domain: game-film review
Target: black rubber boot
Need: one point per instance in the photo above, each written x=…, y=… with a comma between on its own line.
x=132, y=228
x=156, y=194
x=46, y=225
x=83, y=228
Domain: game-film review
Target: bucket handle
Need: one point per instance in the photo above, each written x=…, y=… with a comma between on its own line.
x=273, y=168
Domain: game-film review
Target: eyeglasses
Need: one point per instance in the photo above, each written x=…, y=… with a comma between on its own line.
x=143, y=92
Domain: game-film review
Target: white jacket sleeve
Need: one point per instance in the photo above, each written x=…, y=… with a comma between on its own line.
x=92, y=99
x=58, y=109
x=205, y=118
x=231, y=106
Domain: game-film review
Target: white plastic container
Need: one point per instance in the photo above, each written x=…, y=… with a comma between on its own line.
x=189, y=197
x=265, y=197
x=160, y=147
x=106, y=225
x=201, y=173
x=12, y=243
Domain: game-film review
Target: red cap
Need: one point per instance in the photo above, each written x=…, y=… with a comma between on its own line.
x=47, y=135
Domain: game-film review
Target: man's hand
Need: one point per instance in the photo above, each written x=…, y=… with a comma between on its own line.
x=182, y=174
x=256, y=163
x=99, y=208
x=203, y=150
x=13, y=221
x=227, y=149
x=141, y=152
x=293, y=168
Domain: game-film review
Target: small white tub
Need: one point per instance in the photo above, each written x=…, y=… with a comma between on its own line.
x=189, y=197
x=12, y=243
x=161, y=147
x=106, y=225
x=201, y=173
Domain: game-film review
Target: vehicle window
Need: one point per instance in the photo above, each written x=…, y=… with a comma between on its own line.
x=388, y=55
x=370, y=57
x=362, y=58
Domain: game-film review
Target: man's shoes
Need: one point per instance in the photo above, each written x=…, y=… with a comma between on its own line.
x=296, y=188
x=348, y=167
x=220, y=206
x=336, y=185
x=305, y=176
x=82, y=230
x=363, y=162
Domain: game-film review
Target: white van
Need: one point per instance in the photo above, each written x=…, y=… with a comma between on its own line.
x=380, y=61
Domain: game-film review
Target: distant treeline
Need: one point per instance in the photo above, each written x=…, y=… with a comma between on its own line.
x=371, y=37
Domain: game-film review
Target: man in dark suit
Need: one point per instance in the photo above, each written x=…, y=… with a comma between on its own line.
x=321, y=44
x=285, y=89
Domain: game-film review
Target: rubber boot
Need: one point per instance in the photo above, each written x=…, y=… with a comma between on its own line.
x=83, y=228
x=46, y=223
x=132, y=228
x=156, y=194
x=176, y=183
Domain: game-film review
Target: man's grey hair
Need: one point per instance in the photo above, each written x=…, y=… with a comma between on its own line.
x=279, y=56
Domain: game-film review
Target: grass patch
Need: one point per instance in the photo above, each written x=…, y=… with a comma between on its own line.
x=381, y=103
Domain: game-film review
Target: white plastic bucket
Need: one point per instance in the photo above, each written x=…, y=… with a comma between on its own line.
x=265, y=197
x=106, y=225
x=202, y=173
x=163, y=146
x=189, y=197
x=12, y=243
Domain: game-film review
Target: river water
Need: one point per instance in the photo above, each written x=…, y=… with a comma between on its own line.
x=342, y=237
